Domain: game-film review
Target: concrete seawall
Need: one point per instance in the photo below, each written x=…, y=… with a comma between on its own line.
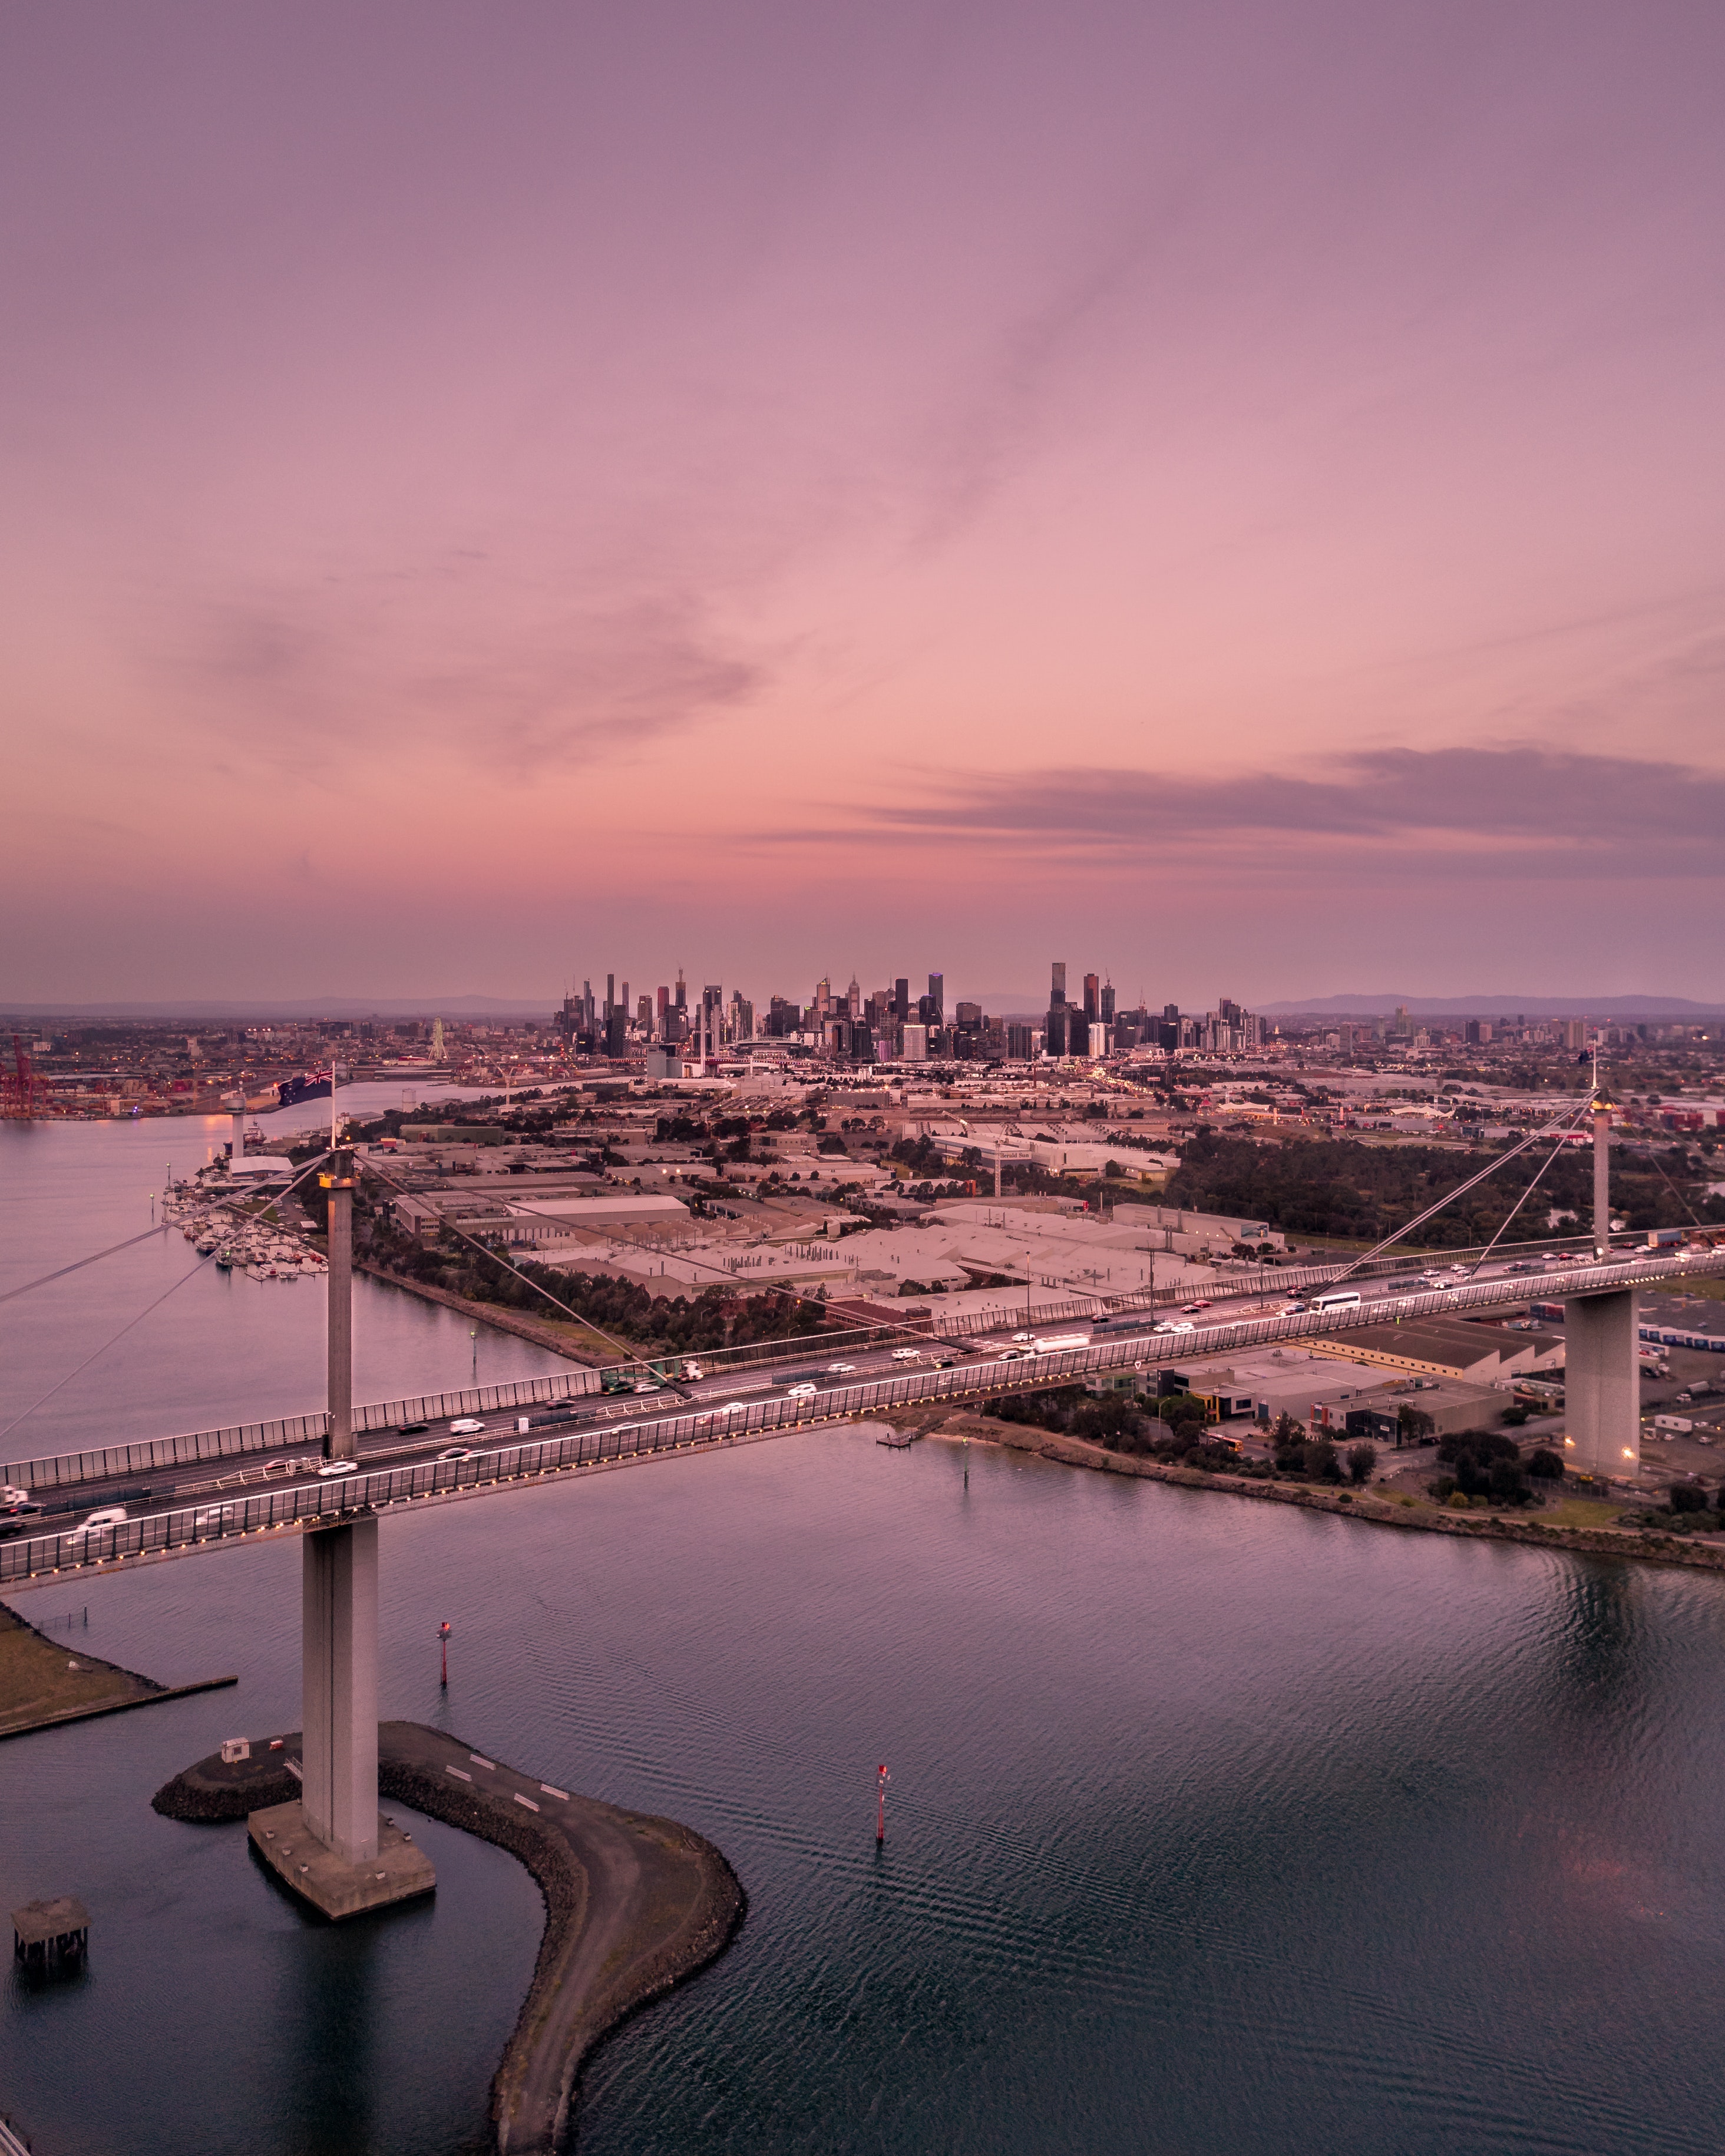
x=634, y=1904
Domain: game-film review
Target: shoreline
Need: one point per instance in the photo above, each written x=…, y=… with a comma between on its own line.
x=635, y=1904
x=483, y=1313
x=1633, y=1543
x=36, y=1671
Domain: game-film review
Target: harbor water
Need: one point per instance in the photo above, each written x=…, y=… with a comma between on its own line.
x=1212, y=1826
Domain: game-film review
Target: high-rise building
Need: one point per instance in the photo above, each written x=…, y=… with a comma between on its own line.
x=916, y=1047
x=661, y=1029
x=1171, y=1013
x=853, y=998
x=937, y=998
x=644, y=1017
x=1106, y=1013
x=1092, y=998
x=1098, y=1041
x=901, y=1000
x=1054, y=1031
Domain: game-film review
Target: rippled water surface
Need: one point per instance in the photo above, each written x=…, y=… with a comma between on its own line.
x=1212, y=1827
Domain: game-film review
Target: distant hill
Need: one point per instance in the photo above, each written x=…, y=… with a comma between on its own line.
x=206, y=1011
x=1496, y=1006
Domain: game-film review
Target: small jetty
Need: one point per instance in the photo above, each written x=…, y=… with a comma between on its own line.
x=50, y=1934
x=885, y=1433
x=634, y=1904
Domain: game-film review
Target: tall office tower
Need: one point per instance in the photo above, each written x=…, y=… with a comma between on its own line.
x=1229, y=1011
x=682, y=995
x=623, y=1000
x=901, y=1000
x=937, y=998
x=644, y=1017
x=1053, y=1030
x=1107, y=1011
x=663, y=1013
x=1171, y=1012
x=853, y=998
x=587, y=1007
x=1092, y=998
x=610, y=993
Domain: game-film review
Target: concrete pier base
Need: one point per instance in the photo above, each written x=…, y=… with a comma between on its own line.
x=339, y=1689
x=397, y=1869
x=1602, y=1387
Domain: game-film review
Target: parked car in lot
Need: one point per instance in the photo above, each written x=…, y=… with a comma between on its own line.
x=466, y=1426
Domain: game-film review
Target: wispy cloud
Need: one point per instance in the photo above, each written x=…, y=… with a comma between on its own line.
x=462, y=665
x=1521, y=809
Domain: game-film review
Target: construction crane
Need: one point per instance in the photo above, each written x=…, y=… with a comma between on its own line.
x=22, y=1095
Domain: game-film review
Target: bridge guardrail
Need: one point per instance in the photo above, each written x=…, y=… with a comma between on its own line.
x=330, y=1501
x=56, y=1470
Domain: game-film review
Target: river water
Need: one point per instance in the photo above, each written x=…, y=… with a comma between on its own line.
x=1212, y=1827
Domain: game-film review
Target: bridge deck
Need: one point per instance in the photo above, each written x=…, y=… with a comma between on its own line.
x=184, y=1530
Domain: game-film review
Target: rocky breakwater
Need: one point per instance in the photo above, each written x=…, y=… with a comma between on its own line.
x=634, y=1904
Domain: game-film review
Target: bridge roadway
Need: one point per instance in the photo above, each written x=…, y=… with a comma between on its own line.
x=201, y=1508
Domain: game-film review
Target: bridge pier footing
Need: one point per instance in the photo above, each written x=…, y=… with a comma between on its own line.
x=1602, y=1388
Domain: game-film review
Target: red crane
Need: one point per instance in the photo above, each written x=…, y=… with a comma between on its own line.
x=22, y=1093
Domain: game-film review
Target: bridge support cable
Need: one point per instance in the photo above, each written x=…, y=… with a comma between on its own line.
x=79, y=1264
x=630, y=1352
x=1562, y=1140
x=723, y=1276
x=1564, y=1125
x=130, y=1323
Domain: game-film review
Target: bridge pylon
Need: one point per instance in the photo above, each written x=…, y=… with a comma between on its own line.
x=1601, y=1384
x=334, y=1847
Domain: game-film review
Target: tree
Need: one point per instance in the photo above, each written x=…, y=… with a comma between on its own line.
x=1412, y=1424
x=1362, y=1459
x=1687, y=1498
x=1545, y=1466
x=1507, y=1483
x=1320, y=1462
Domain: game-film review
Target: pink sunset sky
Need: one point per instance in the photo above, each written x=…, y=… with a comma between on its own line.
x=1231, y=497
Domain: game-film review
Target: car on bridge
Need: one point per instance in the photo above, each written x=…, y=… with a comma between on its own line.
x=109, y=1516
x=413, y=1429
x=466, y=1426
x=327, y=1468
x=457, y=1452
x=214, y=1516
x=841, y=1369
x=806, y=1391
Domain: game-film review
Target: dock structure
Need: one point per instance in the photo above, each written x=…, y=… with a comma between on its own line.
x=44, y=1933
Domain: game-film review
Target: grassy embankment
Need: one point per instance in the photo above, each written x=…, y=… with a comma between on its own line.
x=39, y=1680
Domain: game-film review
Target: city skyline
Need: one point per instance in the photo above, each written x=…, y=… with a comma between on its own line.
x=471, y=492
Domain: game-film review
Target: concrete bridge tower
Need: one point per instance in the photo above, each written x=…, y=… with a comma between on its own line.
x=1601, y=1377
x=334, y=1847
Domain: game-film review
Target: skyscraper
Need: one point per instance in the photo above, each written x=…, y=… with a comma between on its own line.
x=937, y=998
x=1092, y=998
x=1053, y=1031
